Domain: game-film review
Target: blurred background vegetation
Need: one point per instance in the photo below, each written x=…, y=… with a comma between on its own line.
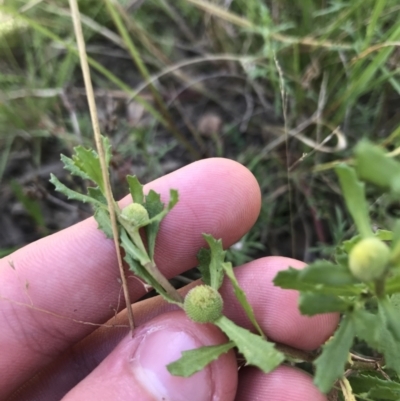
x=284, y=87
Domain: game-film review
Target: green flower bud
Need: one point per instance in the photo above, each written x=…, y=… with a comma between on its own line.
x=203, y=304
x=135, y=214
x=368, y=259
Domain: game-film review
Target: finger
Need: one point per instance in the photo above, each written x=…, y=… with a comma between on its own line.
x=276, y=311
x=73, y=274
x=284, y=383
x=136, y=369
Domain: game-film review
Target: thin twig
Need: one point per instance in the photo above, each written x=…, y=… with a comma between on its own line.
x=47, y=312
x=99, y=145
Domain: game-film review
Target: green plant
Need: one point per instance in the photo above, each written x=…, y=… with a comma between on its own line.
x=202, y=304
x=362, y=284
x=337, y=61
x=366, y=272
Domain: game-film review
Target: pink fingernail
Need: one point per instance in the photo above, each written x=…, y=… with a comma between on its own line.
x=157, y=348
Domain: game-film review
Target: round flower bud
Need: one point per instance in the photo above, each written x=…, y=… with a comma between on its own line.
x=203, y=304
x=368, y=259
x=135, y=214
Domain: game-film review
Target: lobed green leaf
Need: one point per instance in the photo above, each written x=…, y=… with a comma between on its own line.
x=331, y=363
x=320, y=277
x=389, y=314
x=312, y=304
x=131, y=249
x=137, y=261
x=102, y=217
x=367, y=327
x=70, y=194
x=392, y=285
x=257, y=351
x=241, y=297
x=373, y=165
x=135, y=188
x=204, y=258
x=217, y=258
x=195, y=360
x=390, y=348
x=70, y=165
x=96, y=194
x=88, y=161
x=107, y=149
x=372, y=387
x=373, y=329
x=157, y=212
x=354, y=195
x=383, y=235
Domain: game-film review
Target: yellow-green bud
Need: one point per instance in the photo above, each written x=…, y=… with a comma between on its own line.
x=203, y=304
x=368, y=259
x=135, y=214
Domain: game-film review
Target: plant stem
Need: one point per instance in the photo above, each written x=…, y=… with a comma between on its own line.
x=172, y=292
x=347, y=390
x=150, y=266
x=357, y=362
x=100, y=150
x=380, y=287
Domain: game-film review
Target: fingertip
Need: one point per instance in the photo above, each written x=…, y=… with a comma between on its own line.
x=284, y=383
x=136, y=369
x=277, y=309
x=216, y=196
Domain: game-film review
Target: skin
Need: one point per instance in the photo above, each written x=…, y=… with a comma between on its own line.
x=73, y=275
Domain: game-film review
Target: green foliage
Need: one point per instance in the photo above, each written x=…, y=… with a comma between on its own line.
x=214, y=272
x=241, y=297
x=354, y=194
x=335, y=353
x=314, y=304
x=320, y=277
x=195, y=360
x=71, y=194
x=374, y=388
x=135, y=188
x=157, y=212
x=359, y=285
x=373, y=165
x=337, y=57
x=203, y=304
x=257, y=351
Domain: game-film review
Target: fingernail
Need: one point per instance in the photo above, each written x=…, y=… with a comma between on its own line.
x=160, y=346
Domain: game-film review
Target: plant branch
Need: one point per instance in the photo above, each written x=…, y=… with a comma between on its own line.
x=104, y=169
x=168, y=287
x=357, y=362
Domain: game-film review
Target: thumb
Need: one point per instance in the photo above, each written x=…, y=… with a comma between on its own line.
x=136, y=368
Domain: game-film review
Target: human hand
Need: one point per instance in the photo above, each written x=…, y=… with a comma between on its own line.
x=71, y=277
